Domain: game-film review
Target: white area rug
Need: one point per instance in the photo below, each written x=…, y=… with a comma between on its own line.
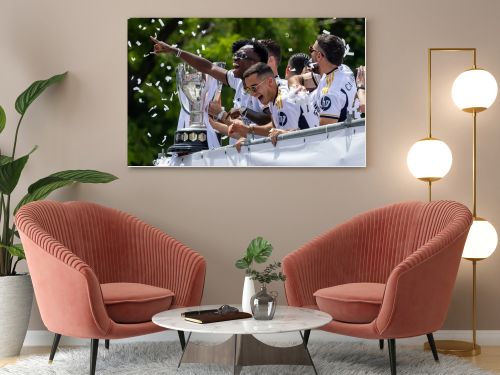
x=162, y=358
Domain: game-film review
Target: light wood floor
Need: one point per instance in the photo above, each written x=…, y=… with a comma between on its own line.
x=488, y=360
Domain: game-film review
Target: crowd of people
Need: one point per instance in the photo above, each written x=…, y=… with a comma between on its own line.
x=317, y=88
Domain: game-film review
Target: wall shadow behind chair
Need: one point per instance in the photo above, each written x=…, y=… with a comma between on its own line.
x=100, y=273
x=385, y=274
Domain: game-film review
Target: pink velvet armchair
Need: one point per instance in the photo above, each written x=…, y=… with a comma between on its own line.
x=385, y=274
x=100, y=273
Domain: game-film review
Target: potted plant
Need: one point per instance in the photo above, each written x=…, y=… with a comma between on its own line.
x=16, y=291
x=259, y=250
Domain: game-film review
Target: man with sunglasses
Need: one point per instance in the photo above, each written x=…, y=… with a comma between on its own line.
x=285, y=109
x=247, y=55
x=336, y=86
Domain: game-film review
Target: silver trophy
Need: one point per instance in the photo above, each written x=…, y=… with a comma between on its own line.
x=191, y=83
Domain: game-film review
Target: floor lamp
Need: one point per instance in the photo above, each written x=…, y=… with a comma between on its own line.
x=473, y=91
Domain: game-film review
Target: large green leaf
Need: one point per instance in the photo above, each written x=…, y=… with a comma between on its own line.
x=3, y=119
x=43, y=187
x=5, y=159
x=259, y=249
x=31, y=93
x=15, y=250
x=10, y=171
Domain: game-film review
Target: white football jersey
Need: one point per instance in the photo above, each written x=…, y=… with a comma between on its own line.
x=287, y=114
x=241, y=98
x=335, y=94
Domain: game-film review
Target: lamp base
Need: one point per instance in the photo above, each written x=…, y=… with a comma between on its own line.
x=457, y=348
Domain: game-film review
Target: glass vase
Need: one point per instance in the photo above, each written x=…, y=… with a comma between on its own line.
x=263, y=304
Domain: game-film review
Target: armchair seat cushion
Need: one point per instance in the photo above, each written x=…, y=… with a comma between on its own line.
x=133, y=302
x=351, y=303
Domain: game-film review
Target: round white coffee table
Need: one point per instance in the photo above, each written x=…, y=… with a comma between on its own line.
x=242, y=348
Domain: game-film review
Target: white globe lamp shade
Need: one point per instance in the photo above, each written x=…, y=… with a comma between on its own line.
x=481, y=241
x=429, y=159
x=474, y=90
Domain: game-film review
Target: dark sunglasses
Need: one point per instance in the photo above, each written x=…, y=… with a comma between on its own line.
x=241, y=55
x=311, y=50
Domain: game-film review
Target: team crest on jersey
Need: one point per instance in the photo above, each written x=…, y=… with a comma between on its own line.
x=282, y=118
x=326, y=103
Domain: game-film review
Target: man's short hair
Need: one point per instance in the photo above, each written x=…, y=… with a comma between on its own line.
x=297, y=62
x=258, y=48
x=261, y=69
x=240, y=43
x=273, y=48
x=333, y=48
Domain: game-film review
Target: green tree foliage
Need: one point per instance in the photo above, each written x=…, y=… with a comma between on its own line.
x=153, y=106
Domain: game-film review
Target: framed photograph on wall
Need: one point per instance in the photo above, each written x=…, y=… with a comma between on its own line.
x=246, y=92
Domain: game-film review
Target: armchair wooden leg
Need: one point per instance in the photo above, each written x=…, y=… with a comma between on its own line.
x=182, y=339
x=381, y=344
x=94, y=345
x=432, y=344
x=392, y=355
x=55, y=344
x=307, y=333
x=106, y=344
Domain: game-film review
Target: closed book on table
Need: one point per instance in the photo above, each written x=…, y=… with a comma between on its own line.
x=212, y=317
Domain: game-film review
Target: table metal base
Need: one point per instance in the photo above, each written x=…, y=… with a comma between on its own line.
x=246, y=350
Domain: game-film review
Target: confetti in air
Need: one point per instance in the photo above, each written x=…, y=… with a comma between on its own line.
x=154, y=115
x=181, y=31
x=144, y=28
x=203, y=32
x=129, y=44
x=161, y=22
x=138, y=43
x=290, y=49
x=287, y=35
x=198, y=51
x=162, y=65
x=140, y=27
x=164, y=139
x=326, y=32
x=132, y=78
x=149, y=134
x=193, y=33
x=174, y=45
x=139, y=81
x=169, y=67
x=168, y=78
x=180, y=23
x=157, y=28
x=198, y=26
x=141, y=100
x=203, y=47
x=152, y=108
x=165, y=108
x=160, y=88
x=153, y=20
x=163, y=99
x=132, y=58
x=224, y=137
x=138, y=89
x=149, y=84
x=157, y=83
x=171, y=96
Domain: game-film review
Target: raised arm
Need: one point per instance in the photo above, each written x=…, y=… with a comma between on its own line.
x=199, y=63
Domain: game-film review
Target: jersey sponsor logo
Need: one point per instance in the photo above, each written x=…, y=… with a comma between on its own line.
x=326, y=103
x=317, y=109
x=282, y=118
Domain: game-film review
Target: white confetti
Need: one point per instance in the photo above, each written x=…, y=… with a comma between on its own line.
x=161, y=22
x=139, y=81
x=198, y=51
x=224, y=137
x=163, y=99
x=152, y=108
x=169, y=67
x=156, y=37
x=157, y=83
x=149, y=84
x=136, y=88
x=132, y=78
x=141, y=100
x=168, y=78
x=132, y=58
x=147, y=54
x=165, y=108
x=154, y=115
x=193, y=33
x=160, y=88
x=290, y=49
x=174, y=45
x=140, y=27
x=138, y=43
x=180, y=22
x=153, y=20
x=198, y=26
x=129, y=44
x=181, y=31
x=171, y=96
x=162, y=65
x=157, y=28
x=203, y=32
x=203, y=47
x=287, y=35
x=144, y=28
x=149, y=134
x=164, y=139
x=326, y=32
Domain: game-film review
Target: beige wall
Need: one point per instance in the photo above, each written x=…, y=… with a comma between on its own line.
x=83, y=124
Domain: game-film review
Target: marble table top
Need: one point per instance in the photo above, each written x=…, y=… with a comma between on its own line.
x=286, y=319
